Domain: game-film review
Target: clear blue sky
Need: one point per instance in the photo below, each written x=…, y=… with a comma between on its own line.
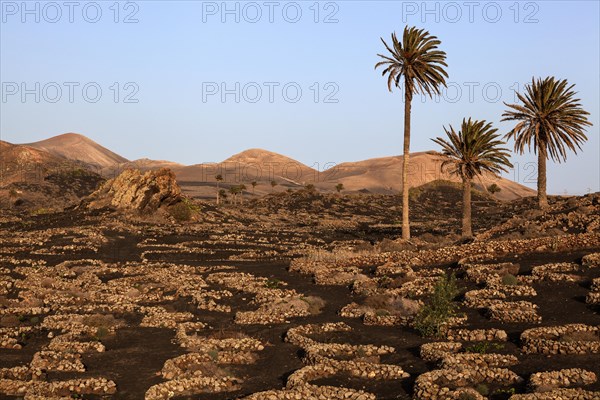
x=180, y=52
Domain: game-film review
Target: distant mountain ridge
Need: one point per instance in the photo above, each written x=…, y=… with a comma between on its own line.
x=376, y=175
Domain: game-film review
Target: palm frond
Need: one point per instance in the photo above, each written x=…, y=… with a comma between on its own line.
x=550, y=118
x=476, y=148
x=416, y=59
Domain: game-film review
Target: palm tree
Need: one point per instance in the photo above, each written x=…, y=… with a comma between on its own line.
x=494, y=188
x=254, y=184
x=234, y=190
x=222, y=194
x=273, y=184
x=551, y=120
x=420, y=63
x=475, y=149
x=218, y=178
x=241, y=189
x=339, y=187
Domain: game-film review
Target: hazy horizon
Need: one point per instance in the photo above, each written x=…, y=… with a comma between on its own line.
x=161, y=68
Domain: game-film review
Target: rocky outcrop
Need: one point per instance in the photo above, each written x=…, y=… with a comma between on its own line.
x=136, y=191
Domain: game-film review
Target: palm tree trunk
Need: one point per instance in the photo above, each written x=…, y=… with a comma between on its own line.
x=541, y=183
x=217, y=192
x=466, y=220
x=405, y=160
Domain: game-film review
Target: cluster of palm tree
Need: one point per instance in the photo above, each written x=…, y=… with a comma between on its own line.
x=234, y=191
x=550, y=119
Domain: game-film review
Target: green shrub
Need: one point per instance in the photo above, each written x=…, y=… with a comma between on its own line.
x=41, y=211
x=493, y=188
x=181, y=212
x=482, y=389
x=272, y=283
x=484, y=347
x=439, y=309
x=101, y=333
x=510, y=280
x=382, y=312
x=507, y=392
x=213, y=354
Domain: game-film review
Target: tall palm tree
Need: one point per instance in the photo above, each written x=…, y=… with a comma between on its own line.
x=254, y=184
x=418, y=61
x=218, y=178
x=241, y=189
x=234, y=190
x=552, y=120
x=475, y=149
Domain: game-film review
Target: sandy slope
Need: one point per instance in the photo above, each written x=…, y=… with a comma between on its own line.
x=77, y=147
x=383, y=175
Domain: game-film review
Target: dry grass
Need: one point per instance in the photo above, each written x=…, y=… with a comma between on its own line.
x=580, y=336
x=315, y=304
x=320, y=255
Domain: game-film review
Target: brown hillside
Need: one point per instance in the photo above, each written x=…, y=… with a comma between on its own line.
x=76, y=147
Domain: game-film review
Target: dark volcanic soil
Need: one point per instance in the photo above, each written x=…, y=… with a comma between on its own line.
x=134, y=355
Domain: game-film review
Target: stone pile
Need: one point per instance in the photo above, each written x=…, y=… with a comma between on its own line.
x=593, y=296
x=441, y=384
x=331, y=359
x=564, y=378
x=591, y=260
x=275, y=305
x=558, y=272
x=199, y=371
x=477, y=335
x=514, y=311
x=558, y=394
x=566, y=339
x=435, y=351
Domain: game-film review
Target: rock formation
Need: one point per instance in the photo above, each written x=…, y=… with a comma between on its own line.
x=136, y=191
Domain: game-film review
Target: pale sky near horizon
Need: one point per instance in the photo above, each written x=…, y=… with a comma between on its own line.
x=198, y=81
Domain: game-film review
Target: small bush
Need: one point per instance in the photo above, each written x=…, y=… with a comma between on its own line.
x=506, y=392
x=181, y=212
x=484, y=347
x=493, y=188
x=382, y=312
x=315, y=304
x=213, y=354
x=466, y=396
x=439, y=309
x=482, y=389
x=510, y=280
x=41, y=211
x=101, y=333
x=272, y=283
